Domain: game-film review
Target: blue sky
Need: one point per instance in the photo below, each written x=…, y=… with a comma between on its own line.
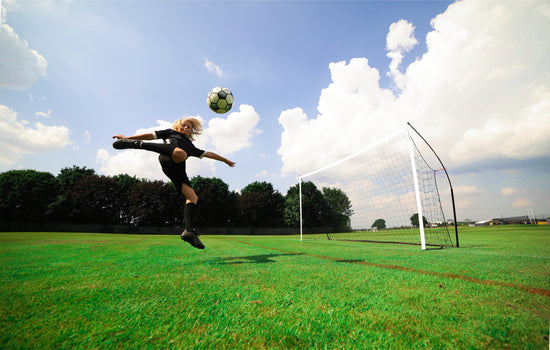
x=313, y=81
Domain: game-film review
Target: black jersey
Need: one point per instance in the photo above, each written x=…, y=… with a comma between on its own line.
x=179, y=140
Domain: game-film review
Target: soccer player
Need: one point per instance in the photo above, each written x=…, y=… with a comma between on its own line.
x=173, y=153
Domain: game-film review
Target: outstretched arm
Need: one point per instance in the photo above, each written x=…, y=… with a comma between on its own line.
x=148, y=136
x=215, y=156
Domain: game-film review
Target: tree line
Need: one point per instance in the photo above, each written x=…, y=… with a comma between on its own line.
x=415, y=222
x=79, y=195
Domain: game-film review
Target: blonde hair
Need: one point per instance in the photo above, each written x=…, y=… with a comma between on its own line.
x=196, y=126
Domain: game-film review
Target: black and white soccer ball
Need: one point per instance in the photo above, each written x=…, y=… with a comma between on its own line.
x=220, y=100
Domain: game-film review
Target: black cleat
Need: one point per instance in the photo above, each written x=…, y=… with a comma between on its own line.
x=192, y=238
x=125, y=143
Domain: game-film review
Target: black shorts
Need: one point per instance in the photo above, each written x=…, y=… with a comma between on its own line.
x=175, y=171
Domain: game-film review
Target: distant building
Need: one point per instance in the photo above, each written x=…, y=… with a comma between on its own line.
x=484, y=223
x=513, y=220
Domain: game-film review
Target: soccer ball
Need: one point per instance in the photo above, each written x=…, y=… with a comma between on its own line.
x=220, y=99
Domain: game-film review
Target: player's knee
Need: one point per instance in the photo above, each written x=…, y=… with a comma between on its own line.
x=179, y=155
x=190, y=197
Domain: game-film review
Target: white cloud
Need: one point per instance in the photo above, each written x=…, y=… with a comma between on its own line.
x=161, y=125
x=7, y=5
x=132, y=162
x=234, y=132
x=18, y=138
x=212, y=68
x=20, y=66
x=352, y=114
x=401, y=36
x=467, y=190
x=400, y=39
x=3, y=15
x=508, y=191
x=47, y=114
x=481, y=91
x=87, y=137
x=522, y=203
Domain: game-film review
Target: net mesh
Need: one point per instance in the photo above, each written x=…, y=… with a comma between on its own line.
x=379, y=183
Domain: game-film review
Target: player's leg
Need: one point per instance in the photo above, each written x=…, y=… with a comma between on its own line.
x=190, y=206
x=165, y=149
x=190, y=235
x=177, y=154
x=176, y=172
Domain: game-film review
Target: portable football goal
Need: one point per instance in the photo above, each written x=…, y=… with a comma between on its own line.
x=388, y=192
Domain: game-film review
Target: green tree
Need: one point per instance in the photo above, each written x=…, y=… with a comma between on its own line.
x=95, y=200
x=69, y=176
x=250, y=209
x=155, y=203
x=414, y=220
x=26, y=194
x=379, y=223
x=340, y=206
x=291, y=212
x=127, y=185
x=61, y=209
x=315, y=208
x=260, y=205
x=216, y=205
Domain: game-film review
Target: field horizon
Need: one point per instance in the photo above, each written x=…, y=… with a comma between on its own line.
x=96, y=290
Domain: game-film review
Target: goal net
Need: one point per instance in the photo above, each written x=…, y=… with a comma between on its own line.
x=388, y=192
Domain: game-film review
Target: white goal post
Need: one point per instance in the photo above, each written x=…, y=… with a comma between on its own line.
x=391, y=195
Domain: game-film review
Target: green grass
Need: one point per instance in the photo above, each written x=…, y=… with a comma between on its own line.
x=73, y=290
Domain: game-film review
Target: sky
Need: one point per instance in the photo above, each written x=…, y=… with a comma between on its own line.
x=314, y=81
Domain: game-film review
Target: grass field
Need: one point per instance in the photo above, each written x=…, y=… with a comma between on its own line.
x=74, y=290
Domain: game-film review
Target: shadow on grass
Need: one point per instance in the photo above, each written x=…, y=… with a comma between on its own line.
x=349, y=261
x=251, y=259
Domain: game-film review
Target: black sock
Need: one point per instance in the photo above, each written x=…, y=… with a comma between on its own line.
x=161, y=148
x=188, y=214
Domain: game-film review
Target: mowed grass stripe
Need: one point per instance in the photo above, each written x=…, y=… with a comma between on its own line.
x=533, y=290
